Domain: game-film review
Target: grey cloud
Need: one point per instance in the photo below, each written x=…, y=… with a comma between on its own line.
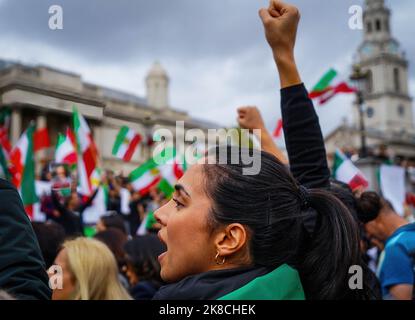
x=184, y=34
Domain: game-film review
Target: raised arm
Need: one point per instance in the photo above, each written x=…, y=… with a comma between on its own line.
x=303, y=137
x=250, y=118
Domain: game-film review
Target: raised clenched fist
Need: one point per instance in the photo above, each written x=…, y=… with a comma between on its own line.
x=280, y=22
x=250, y=118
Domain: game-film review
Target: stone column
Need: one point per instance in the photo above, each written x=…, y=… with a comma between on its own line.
x=16, y=126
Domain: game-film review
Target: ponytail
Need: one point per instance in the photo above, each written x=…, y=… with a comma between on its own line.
x=333, y=249
x=276, y=211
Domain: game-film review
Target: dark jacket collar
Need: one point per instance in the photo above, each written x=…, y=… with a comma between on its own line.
x=210, y=285
x=282, y=283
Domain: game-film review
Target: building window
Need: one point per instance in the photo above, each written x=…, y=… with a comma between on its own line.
x=378, y=25
x=401, y=111
x=396, y=80
x=370, y=112
x=369, y=27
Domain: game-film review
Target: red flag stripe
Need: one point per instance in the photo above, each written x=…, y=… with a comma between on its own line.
x=316, y=94
x=131, y=148
x=342, y=87
x=278, y=129
x=41, y=139
x=358, y=181
x=146, y=190
x=29, y=211
x=178, y=172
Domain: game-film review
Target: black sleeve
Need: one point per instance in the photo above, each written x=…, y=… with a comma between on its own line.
x=57, y=204
x=22, y=269
x=303, y=138
x=88, y=203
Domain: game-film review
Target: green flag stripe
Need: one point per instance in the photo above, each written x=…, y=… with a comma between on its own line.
x=151, y=220
x=165, y=187
x=325, y=80
x=28, y=188
x=61, y=139
x=3, y=164
x=338, y=160
x=76, y=122
x=165, y=155
x=160, y=159
x=120, y=139
x=141, y=170
x=281, y=284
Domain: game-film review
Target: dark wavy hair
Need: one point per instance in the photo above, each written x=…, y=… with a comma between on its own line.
x=142, y=252
x=271, y=205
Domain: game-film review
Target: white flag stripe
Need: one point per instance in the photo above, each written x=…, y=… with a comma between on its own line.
x=64, y=150
x=347, y=171
x=23, y=145
x=122, y=150
x=98, y=208
x=167, y=172
x=144, y=181
x=392, y=183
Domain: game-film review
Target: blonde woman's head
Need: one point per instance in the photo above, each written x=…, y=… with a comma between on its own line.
x=90, y=272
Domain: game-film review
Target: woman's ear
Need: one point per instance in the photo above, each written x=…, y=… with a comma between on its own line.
x=231, y=239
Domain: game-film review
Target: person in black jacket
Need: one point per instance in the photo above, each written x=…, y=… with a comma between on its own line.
x=22, y=269
x=302, y=132
x=231, y=235
x=70, y=214
x=265, y=205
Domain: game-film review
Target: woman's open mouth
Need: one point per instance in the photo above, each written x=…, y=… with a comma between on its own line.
x=161, y=256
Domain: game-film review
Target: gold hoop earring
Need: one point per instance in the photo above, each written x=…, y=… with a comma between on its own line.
x=219, y=262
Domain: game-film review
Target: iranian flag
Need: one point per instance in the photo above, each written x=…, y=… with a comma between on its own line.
x=41, y=139
x=327, y=87
x=23, y=169
x=171, y=171
x=4, y=168
x=4, y=130
x=65, y=148
x=87, y=154
x=161, y=171
x=98, y=207
x=145, y=177
x=125, y=144
x=5, y=146
x=345, y=171
x=278, y=129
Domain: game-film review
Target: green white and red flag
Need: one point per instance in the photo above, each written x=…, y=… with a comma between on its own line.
x=66, y=148
x=328, y=87
x=126, y=143
x=87, y=154
x=23, y=169
x=345, y=171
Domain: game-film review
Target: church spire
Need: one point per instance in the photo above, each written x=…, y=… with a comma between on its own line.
x=375, y=4
x=387, y=100
x=376, y=20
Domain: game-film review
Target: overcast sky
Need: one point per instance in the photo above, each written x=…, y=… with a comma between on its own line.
x=214, y=51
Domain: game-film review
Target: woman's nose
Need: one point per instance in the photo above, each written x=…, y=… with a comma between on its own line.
x=161, y=215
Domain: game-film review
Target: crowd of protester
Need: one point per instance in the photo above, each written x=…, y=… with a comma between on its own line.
x=287, y=232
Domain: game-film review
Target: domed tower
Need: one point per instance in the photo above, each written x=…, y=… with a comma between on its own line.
x=157, y=84
x=388, y=105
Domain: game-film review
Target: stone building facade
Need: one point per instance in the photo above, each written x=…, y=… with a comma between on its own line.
x=47, y=96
